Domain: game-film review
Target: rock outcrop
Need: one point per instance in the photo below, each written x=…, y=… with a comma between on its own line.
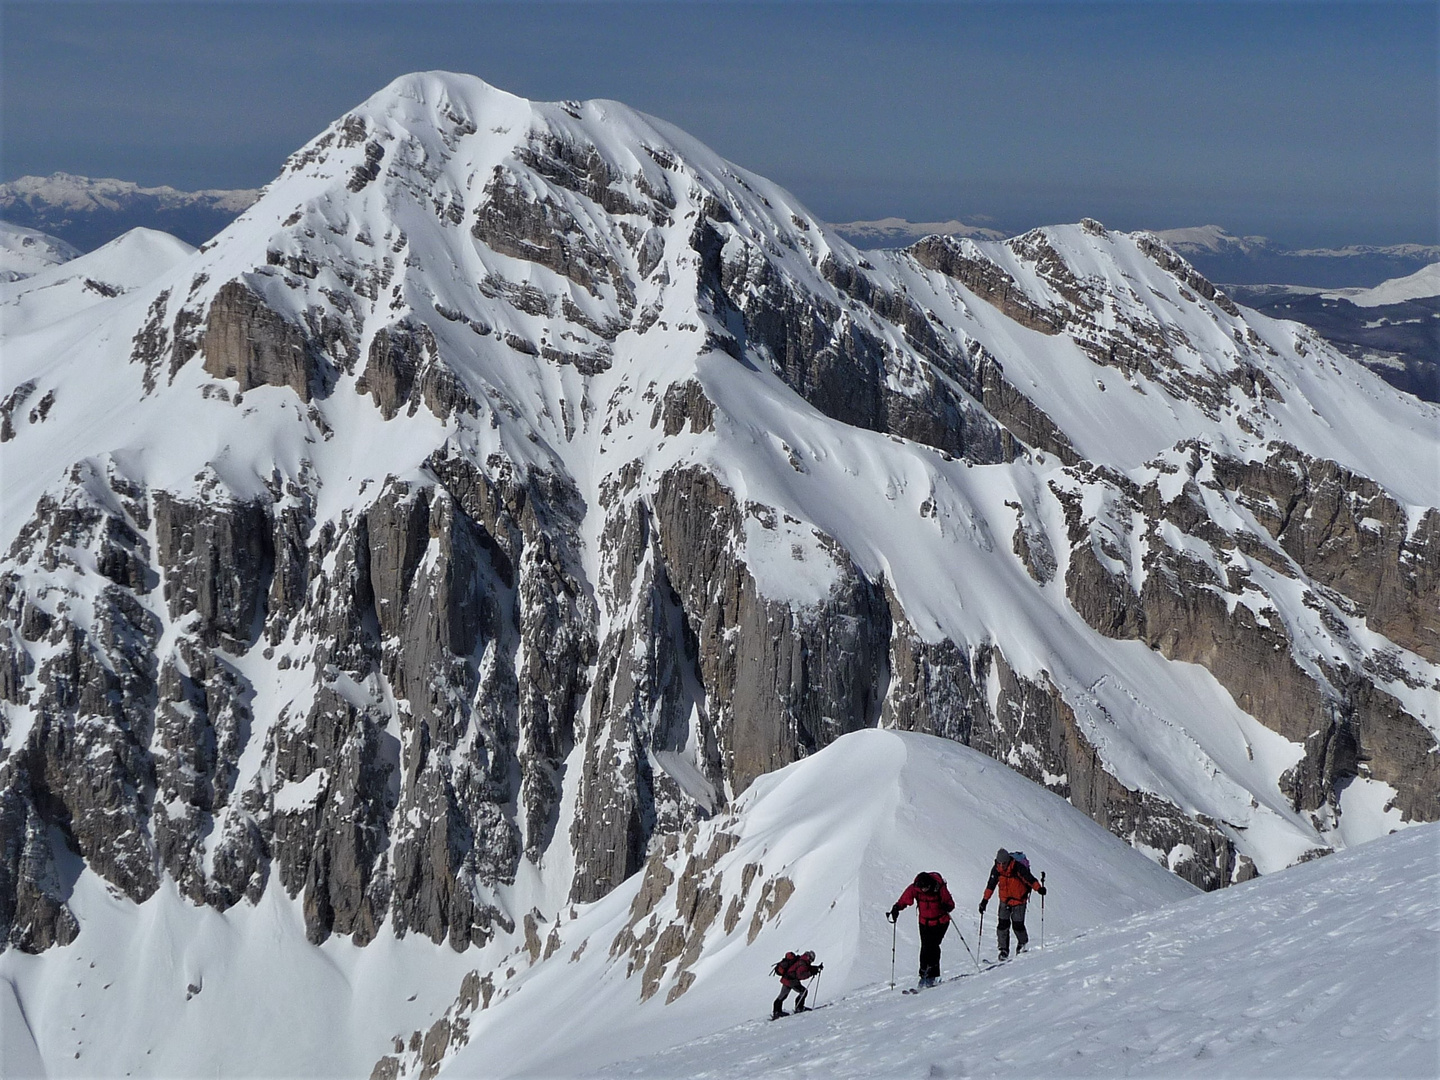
x=247, y=341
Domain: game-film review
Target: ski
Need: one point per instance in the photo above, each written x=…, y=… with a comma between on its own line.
x=807, y=1009
x=937, y=982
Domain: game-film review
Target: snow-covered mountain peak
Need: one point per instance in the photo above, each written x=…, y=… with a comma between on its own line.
x=515, y=485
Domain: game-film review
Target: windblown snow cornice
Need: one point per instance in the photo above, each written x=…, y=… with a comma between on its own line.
x=514, y=483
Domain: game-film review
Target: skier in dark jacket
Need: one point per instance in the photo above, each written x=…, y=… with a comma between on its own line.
x=933, y=905
x=793, y=972
x=1015, y=883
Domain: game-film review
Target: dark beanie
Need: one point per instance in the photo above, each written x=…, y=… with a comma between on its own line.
x=1002, y=856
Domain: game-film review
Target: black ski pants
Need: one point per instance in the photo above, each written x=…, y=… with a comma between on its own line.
x=930, y=938
x=786, y=985
x=1007, y=917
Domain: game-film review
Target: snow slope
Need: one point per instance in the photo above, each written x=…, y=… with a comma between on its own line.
x=849, y=827
x=1328, y=969
x=168, y=989
x=1424, y=282
x=28, y=251
x=63, y=291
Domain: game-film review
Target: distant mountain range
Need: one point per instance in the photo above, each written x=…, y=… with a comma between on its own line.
x=89, y=212
x=1257, y=260
x=1391, y=328
x=894, y=232
x=1219, y=255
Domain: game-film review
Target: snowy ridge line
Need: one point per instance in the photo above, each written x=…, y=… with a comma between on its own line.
x=810, y=857
x=24, y=252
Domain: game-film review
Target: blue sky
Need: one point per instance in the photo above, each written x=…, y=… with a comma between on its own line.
x=1312, y=123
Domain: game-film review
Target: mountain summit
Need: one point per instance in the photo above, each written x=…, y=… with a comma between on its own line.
x=513, y=484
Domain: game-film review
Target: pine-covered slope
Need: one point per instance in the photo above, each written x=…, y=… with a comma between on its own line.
x=513, y=484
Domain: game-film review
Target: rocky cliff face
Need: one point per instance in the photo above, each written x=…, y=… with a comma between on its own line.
x=514, y=484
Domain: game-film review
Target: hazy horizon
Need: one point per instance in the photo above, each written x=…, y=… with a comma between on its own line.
x=1312, y=124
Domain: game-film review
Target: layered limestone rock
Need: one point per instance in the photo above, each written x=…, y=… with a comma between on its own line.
x=942, y=689
x=1201, y=599
x=1347, y=534
x=246, y=340
x=372, y=811
x=839, y=363
x=780, y=679
x=703, y=658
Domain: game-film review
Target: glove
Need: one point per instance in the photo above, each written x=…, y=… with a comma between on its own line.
x=982, y=906
x=893, y=913
x=819, y=967
x=1040, y=889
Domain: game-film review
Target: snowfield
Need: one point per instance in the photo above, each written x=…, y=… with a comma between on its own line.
x=1424, y=282
x=24, y=252
x=1328, y=969
x=849, y=828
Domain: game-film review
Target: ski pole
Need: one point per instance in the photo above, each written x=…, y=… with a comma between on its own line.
x=964, y=942
x=980, y=937
x=816, y=985
x=1042, y=910
x=893, y=930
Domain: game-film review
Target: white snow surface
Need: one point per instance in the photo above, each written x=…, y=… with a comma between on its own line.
x=1422, y=283
x=61, y=292
x=24, y=252
x=850, y=827
x=168, y=989
x=1329, y=969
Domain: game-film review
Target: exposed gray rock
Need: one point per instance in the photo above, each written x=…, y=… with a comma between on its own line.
x=1347, y=534
x=837, y=362
x=1185, y=610
x=779, y=682
x=218, y=557
x=247, y=341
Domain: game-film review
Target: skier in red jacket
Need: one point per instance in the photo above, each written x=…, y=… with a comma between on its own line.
x=1015, y=882
x=933, y=905
x=793, y=972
